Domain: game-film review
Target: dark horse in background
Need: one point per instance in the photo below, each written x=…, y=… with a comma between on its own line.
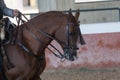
x=27, y=54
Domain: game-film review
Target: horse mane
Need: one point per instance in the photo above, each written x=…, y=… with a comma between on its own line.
x=49, y=17
x=50, y=13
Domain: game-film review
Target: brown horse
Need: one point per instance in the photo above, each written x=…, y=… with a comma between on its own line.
x=27, y=54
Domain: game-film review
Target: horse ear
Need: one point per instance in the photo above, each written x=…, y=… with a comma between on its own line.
x=70, y=11
x=77, y=14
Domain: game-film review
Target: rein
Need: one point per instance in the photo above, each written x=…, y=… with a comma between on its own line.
x=67, y=45
x=61, y=56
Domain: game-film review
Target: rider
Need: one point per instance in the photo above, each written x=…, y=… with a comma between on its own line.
x=4, y=10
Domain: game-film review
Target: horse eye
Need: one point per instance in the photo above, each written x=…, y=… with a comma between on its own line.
x=77, y=24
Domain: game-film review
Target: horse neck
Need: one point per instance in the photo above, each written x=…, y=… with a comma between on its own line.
x=46, y=25
x=34, y=40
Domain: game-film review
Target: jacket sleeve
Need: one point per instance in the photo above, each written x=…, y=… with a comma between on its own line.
x=6, y=11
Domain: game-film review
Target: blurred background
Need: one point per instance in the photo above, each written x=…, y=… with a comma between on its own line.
x=92, y=11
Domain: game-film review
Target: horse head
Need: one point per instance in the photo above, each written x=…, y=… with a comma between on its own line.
x=72, y=33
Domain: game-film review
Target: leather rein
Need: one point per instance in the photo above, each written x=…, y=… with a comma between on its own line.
x=23, y=47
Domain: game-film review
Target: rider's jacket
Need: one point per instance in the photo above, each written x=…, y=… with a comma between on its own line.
x=6, y=11
x=1, y=14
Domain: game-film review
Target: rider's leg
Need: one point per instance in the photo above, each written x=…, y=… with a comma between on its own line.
x=2, y=73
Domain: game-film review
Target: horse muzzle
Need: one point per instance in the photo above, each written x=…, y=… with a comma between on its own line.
x=70, y=54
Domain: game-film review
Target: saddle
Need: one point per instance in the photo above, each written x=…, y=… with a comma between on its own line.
x=6, y=29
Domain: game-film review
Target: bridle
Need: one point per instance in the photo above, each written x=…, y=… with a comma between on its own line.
x=60, y=55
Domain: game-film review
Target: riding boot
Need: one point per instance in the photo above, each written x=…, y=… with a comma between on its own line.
x=2, y=73
x=3, y=76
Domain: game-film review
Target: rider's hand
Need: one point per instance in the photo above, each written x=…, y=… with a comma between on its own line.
x=15, y=12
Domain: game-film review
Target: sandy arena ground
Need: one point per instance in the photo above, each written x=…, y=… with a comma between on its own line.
x=81, y=74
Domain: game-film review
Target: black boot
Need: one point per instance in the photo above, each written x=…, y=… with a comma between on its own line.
x=2, y=73
x=3, y=76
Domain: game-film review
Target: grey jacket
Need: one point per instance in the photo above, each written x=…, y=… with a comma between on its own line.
x=6, y=11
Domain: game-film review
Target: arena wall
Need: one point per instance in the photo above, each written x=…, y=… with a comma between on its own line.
x=88, y=16
x=102, y=48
